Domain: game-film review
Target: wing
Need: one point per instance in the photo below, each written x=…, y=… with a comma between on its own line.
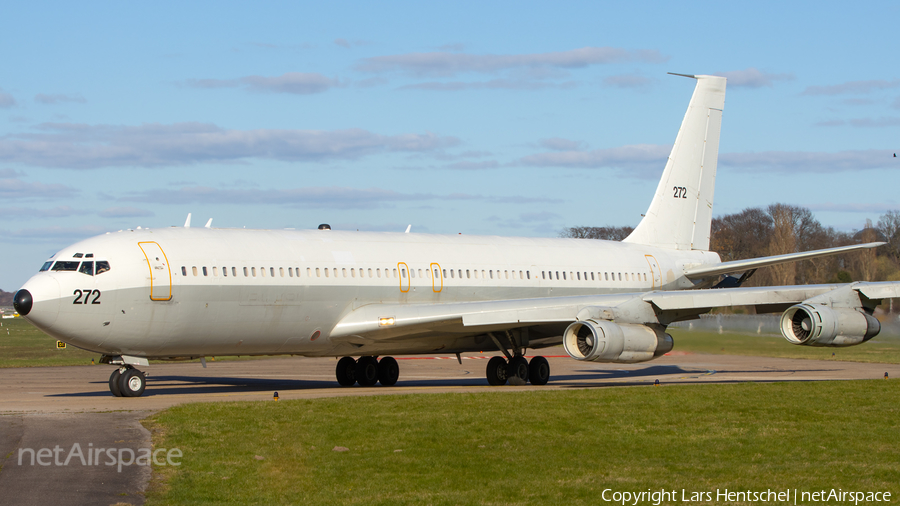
x=549, y=318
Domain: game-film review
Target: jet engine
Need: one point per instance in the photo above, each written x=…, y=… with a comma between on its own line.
x=605, y=341
x=814, y=325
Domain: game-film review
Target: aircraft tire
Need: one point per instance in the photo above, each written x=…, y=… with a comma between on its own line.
x=346, y=372
x=367, y=371
x=114, y=382
x=132, y=383
x=517, y=371
x=497, y=371
x=539, y=371
x=388, y=371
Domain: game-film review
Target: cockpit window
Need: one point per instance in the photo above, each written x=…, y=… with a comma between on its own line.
x=46, y=266
x=87, y=268
x=102, y=266
x=65, y=266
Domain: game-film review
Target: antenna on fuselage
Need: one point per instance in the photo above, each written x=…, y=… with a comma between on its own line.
x=187, y=222
x=208, y=224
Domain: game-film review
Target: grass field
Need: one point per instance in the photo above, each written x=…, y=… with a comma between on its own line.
x=23, y=345
x=538, y=447
x=879, y=349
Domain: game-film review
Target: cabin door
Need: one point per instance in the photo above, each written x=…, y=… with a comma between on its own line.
x=160, y=274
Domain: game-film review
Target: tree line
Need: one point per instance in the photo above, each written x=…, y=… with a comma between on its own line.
x=783, y=228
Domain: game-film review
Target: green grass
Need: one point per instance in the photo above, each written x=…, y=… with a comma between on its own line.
x=538, y=447
x=23, y=345
x=879, y=349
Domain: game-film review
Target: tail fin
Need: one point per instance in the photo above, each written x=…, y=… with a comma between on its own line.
x=680, y=214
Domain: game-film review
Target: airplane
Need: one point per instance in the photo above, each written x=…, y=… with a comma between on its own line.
x=187, y=292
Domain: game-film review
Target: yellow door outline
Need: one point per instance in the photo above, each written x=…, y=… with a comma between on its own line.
x=404, y=275
x=434, y=267
x=160, y=293
x=655, y=272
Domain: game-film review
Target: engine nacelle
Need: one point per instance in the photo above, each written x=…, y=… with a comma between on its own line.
x=814, y=325
x=605, y=341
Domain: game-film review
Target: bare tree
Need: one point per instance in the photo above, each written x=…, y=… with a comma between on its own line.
x=605, y=233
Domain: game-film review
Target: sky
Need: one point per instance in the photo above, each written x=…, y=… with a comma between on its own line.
x=487, y=118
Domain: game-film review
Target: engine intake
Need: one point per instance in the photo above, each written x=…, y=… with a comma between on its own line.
x=605, y=341
x=813, y=325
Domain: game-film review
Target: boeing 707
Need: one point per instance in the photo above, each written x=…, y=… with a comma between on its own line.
x=192, y=292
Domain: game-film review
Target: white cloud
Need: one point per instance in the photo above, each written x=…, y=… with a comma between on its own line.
x=59, y=98
x=54, y=235
x=80, y=146
x=27, y=213
x=6, y=100
x=125, y=212
x=752, y=77
x=332, y=197
x=627, y=81
x=449, y=63
x=494, y=84
x=640, y=160
x=560, y=144
x=801, y=161
x=296, y=83
x=16, y=189
x=853, y=87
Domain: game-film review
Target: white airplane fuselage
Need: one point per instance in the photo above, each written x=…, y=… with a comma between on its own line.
x=188, y=292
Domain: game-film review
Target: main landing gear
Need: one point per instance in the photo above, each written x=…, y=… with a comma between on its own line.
x=126, y=381
x=367, y=371
x=517, y=370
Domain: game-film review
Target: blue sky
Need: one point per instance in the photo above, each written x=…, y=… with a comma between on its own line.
x=506, y=118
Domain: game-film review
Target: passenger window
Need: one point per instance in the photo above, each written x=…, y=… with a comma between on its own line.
x=253, y=271
x=245, y=272
x=557, y=275
x=491, y=274
x=579, y=276
x=272, y=272
x=543, y=275
x=467, y=273
x=436, y=276
x=620, y=276
x=183, y=270
x=326, y=272
x=460, y=274
x=194, y=270
x=344, y=271
x=281, y=271
x=476, y=273
x=215, y=271
x=451, y=274
x=527, y=274
x=378, y=272
x=46, y=266
x=370, y=272
x=204, y=271
x=234, y=271
x=87, y=268
x=420, y=273
x=225, y=271
x=291, y=272
x=353, y=272
x=262, y=272
x=564, y=275
x=65, y=266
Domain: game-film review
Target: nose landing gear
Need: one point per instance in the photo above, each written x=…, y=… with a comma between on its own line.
x=126, y=381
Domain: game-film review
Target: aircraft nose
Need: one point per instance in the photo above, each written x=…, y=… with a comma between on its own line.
x=23, y=301
x=38, y=301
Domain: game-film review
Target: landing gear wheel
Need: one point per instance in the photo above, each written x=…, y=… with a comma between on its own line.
x=132, y=383
x=114, y=383
x=388, y=371
x=346, y=372
x=539, y=371
x=518, y=371
x=367, y=371
x=496, y=371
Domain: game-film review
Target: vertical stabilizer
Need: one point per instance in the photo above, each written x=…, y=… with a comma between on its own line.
x=680, y=214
